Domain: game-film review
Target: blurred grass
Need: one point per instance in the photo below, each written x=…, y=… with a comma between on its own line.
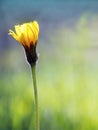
x=67, y=81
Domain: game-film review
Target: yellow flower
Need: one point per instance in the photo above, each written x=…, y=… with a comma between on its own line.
x=26, y=34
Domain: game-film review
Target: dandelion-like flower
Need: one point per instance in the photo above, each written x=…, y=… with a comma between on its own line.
x=27, y=35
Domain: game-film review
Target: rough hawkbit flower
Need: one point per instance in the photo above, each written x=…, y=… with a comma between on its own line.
x=27, y=35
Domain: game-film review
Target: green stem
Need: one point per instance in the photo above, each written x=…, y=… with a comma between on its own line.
x=33, y=67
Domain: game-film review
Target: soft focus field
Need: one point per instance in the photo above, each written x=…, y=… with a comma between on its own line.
x=67, y=76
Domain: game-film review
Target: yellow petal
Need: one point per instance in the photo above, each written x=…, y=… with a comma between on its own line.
x=32, y=35
x=35, y=30
x=13, y=35
x=35, y=23
x=24, y=31
x=17, y=29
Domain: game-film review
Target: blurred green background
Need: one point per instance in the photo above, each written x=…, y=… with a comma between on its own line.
x=67, y=69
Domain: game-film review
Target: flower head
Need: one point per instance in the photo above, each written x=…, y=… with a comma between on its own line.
x=26, y=34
